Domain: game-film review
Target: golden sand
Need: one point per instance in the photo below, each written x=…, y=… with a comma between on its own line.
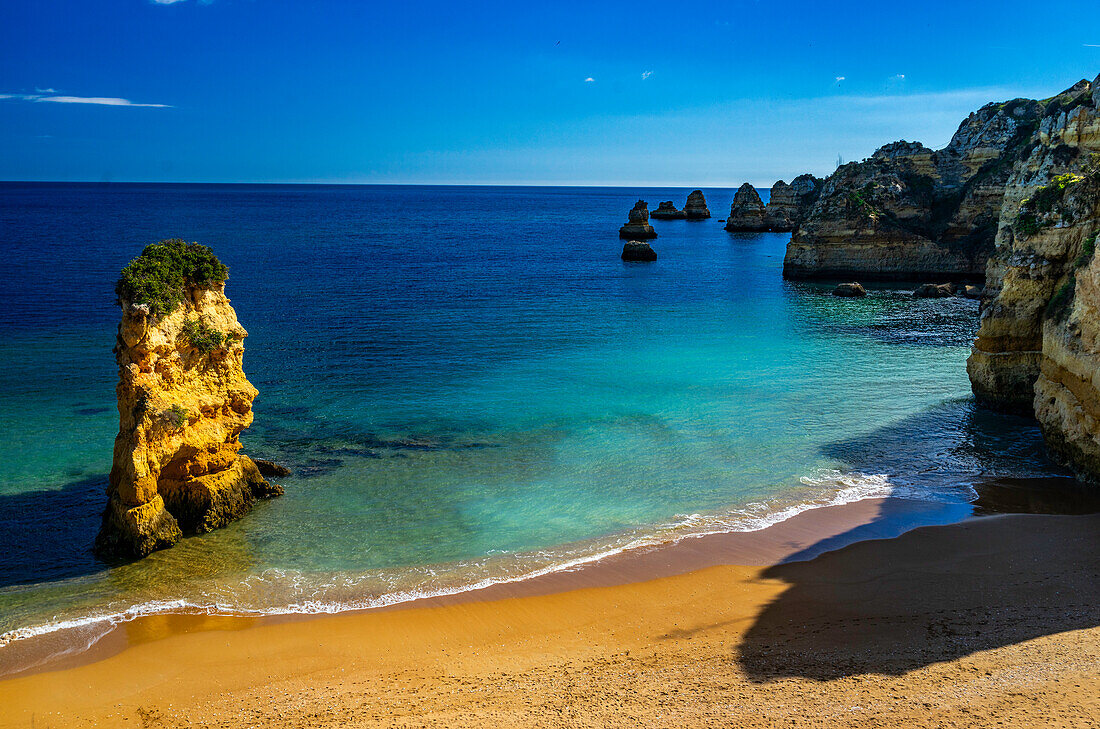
x=989, y=622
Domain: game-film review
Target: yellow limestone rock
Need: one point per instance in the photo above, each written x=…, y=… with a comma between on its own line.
x=183, y=401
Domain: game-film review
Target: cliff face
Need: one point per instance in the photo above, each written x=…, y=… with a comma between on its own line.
x=909, y=212
x=183, y=400
x=1038, y=347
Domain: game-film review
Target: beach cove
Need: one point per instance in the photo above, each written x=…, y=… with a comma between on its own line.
x=992, y=620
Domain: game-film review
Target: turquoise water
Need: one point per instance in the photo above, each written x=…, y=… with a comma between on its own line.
x=470, y=386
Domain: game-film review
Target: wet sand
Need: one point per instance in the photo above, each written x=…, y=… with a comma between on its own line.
x=994, y=619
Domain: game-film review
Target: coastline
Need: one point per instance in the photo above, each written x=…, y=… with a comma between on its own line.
x=796, y=537
x=664, y=607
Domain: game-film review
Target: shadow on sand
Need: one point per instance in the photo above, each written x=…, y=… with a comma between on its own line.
x=936, y=593
x=48, y=535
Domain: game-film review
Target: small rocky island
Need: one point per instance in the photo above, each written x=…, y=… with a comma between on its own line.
x=747, y=212
x=183, y=401
x=638, y=251
x=667, y=211
x=696, y=206
x=637, y=226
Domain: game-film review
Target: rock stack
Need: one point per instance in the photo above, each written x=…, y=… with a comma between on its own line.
x=747, y=211
x=183, y=401
x=696, y=206
x=638, y=227
x=667, y=211
x=782, y=208
x=638, y=250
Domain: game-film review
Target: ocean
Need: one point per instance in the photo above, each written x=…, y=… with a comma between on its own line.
x=469, y=386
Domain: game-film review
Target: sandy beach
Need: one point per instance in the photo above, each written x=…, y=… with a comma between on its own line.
x=993, y=621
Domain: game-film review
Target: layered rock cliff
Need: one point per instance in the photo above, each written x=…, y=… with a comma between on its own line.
x=909, y=212
x=183, y=401
x=1038, y=346
x=788, y=204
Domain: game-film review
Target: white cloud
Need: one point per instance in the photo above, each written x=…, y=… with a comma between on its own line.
x=45, y=91
x=590, y=80
x=1091, y=45
x=646, y=74
x=101, y=100
x=899, y=76
x=97, y=100
x=839, y=79
x=165, y=2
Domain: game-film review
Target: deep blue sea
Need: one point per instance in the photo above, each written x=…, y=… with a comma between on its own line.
x=469, y=385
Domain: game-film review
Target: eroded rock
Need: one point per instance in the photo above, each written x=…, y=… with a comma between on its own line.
x=637, y=250
x=637, y=226
x=183, y=401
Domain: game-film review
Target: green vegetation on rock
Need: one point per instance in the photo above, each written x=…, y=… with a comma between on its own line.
x=204, y=337
x=1045, y=200
x=1088, y=248
x=176, y=416
x=1059, y=305
x=159, y=277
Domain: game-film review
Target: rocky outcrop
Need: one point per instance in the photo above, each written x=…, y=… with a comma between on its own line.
x=183, y=401
x=934, y=291
x=696, y=206
x=909, y=212
x=1038, y=346
x=667, y=211
x=850, y=290
x=782, y=209
x=637, y=226
x=786, y=208
x=637, y=250
x=747, y=211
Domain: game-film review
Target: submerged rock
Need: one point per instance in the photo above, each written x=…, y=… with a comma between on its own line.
x=270, y=468
x=972, y=292
x=637, y=250
x=667, y=211
x=934, y=291
x=638, y=227
x=850, y=290
x=183, y=400
x=747, y=211
x=696, y=206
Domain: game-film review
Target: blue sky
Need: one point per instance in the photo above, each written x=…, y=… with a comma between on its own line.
x=631, y=93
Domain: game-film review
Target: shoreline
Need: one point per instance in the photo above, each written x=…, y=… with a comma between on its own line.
x=798, y=537
x=908, y=616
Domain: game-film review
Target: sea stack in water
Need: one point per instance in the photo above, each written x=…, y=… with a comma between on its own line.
x=696, y=206
x=638, y=250
x=638, y=227
x=747, y=211
x=182, y=400
x=667, y=211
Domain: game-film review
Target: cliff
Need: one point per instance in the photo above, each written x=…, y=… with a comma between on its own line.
x=183, y=401
x=1038, y=346
x=909, y=212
